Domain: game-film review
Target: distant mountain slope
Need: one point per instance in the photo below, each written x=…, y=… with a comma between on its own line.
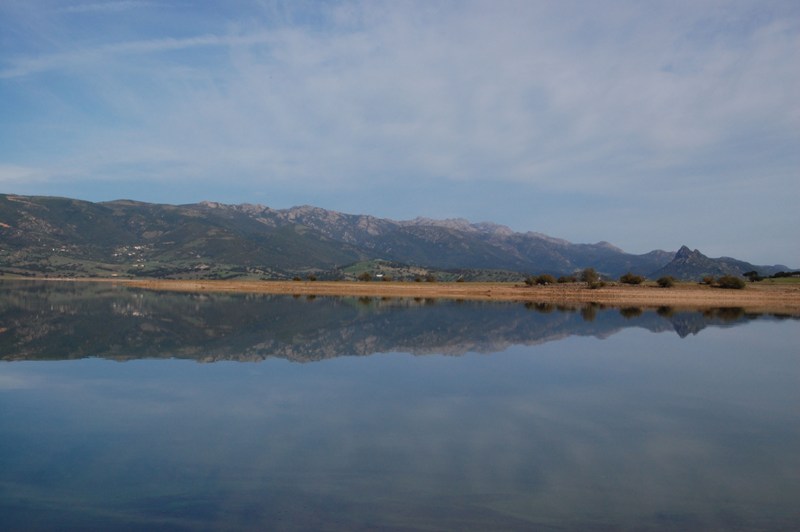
x=61, y=236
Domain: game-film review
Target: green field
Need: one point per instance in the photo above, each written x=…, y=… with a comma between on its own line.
x=782, y=280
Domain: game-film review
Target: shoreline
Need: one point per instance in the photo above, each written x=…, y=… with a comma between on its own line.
x=778, y=299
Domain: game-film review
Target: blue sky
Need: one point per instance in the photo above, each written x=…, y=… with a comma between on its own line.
x=646, y=124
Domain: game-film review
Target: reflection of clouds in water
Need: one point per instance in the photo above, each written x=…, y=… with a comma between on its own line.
x=627, y=430
x=16, y=381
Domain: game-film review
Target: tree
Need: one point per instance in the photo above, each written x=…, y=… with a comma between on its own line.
x=753, y=276
x=589, y=276
x=592, y=278
x=366, y=277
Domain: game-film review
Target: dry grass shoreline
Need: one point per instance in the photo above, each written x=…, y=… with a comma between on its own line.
x=779, y=299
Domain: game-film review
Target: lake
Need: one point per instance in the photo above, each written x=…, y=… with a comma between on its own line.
x=128, y=410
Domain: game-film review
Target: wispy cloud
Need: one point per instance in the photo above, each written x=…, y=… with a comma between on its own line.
x=122, y=5
x=14, y=175
x=95, y=57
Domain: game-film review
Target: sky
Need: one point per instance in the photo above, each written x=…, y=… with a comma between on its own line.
x=648, y=124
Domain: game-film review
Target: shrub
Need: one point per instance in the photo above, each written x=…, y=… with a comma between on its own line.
x=597, y=284
x=630, y=278
x=567, y=279
x=545, y=278
x=666, y=282
x=364, y=277
x=460, y=280
x=731, y=281
x=542, y=279
x=708, y=279
x=296, y=278
x=430, y=278
x=312, y=277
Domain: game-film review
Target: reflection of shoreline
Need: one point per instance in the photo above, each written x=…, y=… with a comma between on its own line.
x=763, y=298
x=60, y=321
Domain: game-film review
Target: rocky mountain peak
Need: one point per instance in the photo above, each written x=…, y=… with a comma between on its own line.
x=494, y=229
x=686, y=253
x=212, y=204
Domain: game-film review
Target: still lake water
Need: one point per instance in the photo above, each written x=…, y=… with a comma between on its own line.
x=348, y=414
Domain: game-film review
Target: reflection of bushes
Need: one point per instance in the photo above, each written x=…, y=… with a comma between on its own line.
x=665, y=312
x=630, y=312
x=589, y=312
x=544, y=308
x=730, y=313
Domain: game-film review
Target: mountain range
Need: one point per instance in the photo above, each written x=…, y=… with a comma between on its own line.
x=50, y=236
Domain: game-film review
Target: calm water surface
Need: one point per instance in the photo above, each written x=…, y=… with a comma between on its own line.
x=343, y=414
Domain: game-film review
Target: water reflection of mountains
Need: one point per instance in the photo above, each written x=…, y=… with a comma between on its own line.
x=68, y=321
